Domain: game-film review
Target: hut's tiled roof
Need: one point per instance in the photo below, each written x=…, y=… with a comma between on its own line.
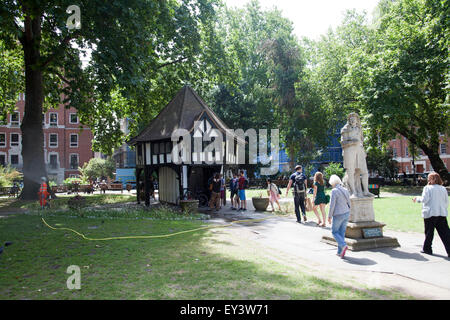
x=180, y=113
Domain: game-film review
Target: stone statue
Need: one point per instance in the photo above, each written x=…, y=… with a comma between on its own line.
x=355, y=158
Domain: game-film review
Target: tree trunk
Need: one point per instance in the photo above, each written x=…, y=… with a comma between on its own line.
x=32, y=132
x=436, y=162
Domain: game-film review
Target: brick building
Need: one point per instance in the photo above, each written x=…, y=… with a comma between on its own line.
x=402, y=155
x=67, y=143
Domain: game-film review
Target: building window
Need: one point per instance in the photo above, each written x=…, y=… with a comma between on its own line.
x=2, y=139
x=73, y=118
x=394, y=152
x=53, y=120
x=53, y=161
x=15, y=118
x=169, y=146
x=14, y=139
x=53, y=140
x=14, y=159
x=406, y=152
x=2, y=160
x=74, y=161
x=443, y=148
x=155, y=148
x=74, y=140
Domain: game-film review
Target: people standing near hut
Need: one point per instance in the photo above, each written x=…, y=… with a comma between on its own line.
x=434, y=201
x=339, y=213
x=152, y=188
x=298, y=179
x=210, y=180
x=242, y=185
x=234, y=192
x=272, y=191
x=223, y=201
x=215, y=193
x=320, y=199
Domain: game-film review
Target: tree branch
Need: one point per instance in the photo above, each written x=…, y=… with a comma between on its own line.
x=61, y=77
x=57, y=51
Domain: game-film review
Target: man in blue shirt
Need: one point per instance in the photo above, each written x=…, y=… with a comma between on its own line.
x=298, y=179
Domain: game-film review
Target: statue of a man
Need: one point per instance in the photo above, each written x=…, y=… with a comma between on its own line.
x=355, y=157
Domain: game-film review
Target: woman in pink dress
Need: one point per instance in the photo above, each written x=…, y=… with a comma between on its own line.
x=272, y=191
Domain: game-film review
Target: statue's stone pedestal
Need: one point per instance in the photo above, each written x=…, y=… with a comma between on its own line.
x=363, y=232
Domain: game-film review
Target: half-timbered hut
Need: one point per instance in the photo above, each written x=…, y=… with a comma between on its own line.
x=154, y=147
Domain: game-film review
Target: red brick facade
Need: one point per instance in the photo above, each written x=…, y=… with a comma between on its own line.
x=423, y=165
x=63, y=141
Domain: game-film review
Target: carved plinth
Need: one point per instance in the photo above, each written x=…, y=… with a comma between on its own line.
x=364, y=244
x=363, y=232
x=355, y=229
x=361, y=210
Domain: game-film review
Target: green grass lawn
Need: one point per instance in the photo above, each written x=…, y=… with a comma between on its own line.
x=398, y=212
x=207, y=264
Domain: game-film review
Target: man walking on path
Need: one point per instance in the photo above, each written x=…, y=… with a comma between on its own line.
x=298, y=179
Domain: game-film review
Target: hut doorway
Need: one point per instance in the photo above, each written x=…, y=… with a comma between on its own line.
x=168, y=184
x=198, y=179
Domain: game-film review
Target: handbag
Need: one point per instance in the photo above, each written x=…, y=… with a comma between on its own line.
x=309, y=206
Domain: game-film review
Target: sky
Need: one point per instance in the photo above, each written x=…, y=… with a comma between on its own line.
x=311, y=18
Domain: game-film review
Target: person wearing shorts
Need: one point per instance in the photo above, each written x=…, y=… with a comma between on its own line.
x=241, y=186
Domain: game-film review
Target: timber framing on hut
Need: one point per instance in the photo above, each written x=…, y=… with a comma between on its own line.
x=192, y=169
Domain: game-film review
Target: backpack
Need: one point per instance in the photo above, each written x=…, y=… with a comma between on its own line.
x=245, y=184
x=299, y=184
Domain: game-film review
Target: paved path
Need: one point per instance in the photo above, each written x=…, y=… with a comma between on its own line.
x=403, y=268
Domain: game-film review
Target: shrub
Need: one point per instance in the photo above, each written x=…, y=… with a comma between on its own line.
x=8, y=175
x=333, y=168
x=76, y=203
x=98, y=168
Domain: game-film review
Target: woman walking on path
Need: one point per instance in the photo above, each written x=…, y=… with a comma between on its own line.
x=339, y=212
x=272, y=191
x=434, y=201
x=320, y=199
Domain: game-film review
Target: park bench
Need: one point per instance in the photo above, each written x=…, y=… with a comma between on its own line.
x=112, y=187
x=116, y=186
x=87, y=188
x=4, y=191
x=374, y=189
